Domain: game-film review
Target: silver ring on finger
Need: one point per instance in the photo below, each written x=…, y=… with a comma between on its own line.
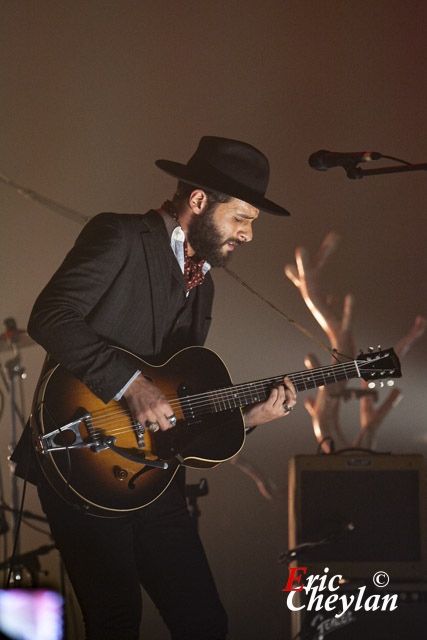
x=153, y=426
x=287, y=408
x=172, y=419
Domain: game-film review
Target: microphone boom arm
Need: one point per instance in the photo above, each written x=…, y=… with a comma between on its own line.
x=356, y=173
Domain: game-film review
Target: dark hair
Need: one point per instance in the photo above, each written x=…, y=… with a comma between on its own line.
x=184, y=191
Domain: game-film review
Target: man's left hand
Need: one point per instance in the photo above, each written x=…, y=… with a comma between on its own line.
x=280, y=403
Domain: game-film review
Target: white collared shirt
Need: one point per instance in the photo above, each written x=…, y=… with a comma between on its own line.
x=177, y=239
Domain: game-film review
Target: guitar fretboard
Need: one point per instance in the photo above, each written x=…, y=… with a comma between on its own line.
x=241, y=395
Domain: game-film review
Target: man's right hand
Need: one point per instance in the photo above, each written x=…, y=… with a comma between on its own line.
x=148, y=404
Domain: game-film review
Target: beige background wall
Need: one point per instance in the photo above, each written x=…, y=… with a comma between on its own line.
x=93, y=92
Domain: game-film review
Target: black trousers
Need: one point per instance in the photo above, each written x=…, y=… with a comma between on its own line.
x=107, y=559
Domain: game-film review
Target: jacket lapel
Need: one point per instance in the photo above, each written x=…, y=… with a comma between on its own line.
x=202, y=310
x=159, y=260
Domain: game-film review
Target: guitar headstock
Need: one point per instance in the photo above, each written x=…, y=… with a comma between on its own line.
x=377, y=365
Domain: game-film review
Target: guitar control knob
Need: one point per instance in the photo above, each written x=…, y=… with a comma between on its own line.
x=120, y=474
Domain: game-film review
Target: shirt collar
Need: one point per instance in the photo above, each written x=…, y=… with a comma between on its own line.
x=177, y=238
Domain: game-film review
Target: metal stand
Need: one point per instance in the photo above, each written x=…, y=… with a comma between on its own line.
x=15, y=372
x=11, y=340
x=356, y=173
x=192, y=493
x=29, y=562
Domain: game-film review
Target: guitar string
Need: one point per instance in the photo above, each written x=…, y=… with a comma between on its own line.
x=129, y=426
x=216, y=395
x=113, y=417
x=212, y=398
x=306, y=376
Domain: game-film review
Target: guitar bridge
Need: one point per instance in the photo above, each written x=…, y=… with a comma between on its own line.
x=139, y=432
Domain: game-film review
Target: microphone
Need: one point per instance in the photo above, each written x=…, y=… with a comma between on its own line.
x=323, y=160
x=305, y=547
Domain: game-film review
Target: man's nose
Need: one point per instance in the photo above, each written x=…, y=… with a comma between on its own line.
x=245, y=233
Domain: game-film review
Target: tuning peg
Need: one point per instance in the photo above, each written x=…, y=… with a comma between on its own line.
x=379, y=347
x=370, y=348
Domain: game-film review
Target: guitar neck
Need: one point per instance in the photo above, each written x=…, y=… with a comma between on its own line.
x=242, y=395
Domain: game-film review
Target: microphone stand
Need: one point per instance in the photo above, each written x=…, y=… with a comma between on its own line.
x=29, y=561
x=11, y=340
x=15, y=372
x=356, y=173
x=305, y=547
x=25, y=514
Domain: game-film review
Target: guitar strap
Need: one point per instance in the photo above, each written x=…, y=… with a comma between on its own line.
x=293, y=322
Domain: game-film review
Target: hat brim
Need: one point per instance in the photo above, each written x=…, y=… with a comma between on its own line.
x=186, y=174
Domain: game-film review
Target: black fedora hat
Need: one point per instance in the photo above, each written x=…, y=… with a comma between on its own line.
x=234, y=168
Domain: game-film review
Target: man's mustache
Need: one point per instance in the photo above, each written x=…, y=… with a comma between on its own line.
x=233, y=240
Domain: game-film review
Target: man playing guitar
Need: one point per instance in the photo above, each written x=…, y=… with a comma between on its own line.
x=140, y=284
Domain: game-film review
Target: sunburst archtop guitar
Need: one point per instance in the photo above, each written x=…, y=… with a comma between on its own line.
x=98, y=458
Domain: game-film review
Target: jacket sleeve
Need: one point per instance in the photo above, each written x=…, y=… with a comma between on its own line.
x=58, y=320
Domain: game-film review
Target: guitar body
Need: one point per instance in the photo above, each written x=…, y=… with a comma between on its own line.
x=102, y=481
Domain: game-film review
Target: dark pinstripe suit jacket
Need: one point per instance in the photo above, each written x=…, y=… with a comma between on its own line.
x=113, y=288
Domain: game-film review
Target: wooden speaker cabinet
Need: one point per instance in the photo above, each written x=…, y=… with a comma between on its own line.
x=380, y=496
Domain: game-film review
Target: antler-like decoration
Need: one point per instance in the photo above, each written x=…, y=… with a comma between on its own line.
x=266, y=486
x=370, y=418
x=306, y=276
x=324, y=409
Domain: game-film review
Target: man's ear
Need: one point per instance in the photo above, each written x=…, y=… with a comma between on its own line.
x=197, y=201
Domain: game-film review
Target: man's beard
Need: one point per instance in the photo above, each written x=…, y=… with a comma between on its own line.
x=206, y=240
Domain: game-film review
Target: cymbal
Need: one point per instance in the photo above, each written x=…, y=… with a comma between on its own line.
x=17, y=338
